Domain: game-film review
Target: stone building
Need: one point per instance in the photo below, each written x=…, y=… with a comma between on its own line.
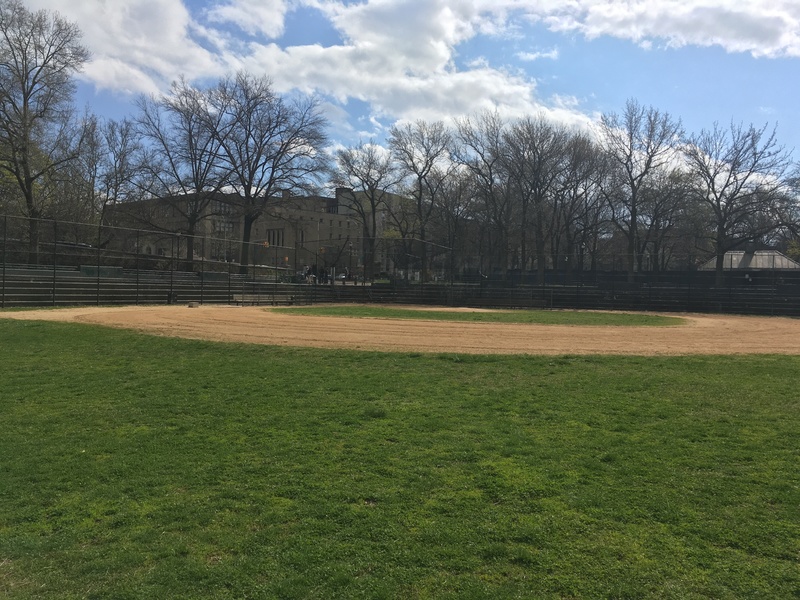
x=293, y=232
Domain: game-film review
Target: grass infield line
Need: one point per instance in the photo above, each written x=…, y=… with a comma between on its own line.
x=539, y=317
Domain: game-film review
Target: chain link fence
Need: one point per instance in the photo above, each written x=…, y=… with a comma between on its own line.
x=55, y=263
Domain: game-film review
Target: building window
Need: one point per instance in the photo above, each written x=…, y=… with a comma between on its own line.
x=275, y=237
x=224, y=228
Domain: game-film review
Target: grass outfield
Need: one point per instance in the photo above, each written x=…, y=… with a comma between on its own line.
x=539, y=317
x=146, y=467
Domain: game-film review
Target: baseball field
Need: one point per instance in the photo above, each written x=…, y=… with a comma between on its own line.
x=243, y=452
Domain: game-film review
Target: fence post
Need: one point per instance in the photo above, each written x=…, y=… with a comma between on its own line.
x=774, y=288
x=202, y=266
x=137, y=265
x=613, y=278
x=55, y=259
x=171, y=268
x=97, y=278
x=5, y=249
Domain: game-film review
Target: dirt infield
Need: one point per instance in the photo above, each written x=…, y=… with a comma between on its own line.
x=701, y=334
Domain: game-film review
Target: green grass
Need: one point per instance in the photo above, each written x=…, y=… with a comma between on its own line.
x=146, y=467
x=541, y=317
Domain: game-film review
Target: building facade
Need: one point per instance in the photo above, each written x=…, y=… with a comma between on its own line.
x=293, y=233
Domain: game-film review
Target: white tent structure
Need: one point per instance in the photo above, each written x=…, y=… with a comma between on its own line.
x=760, y=259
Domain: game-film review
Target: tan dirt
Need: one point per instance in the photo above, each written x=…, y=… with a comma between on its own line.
x=700, y=334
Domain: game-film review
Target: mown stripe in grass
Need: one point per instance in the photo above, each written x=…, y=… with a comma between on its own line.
x=541, y=317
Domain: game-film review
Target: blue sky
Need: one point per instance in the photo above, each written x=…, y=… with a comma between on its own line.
x=376, y=62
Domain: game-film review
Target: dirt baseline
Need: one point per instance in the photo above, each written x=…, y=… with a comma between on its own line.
x=701, y=334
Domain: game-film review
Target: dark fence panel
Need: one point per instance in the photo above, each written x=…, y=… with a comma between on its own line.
x=107, y=285
x=759, y=300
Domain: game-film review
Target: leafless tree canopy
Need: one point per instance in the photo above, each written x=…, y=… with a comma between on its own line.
x=482, y=195
x=267, y=144
x=366, y=177
x=638, y=143
x=39, y=54
x=739, y=175
x=422, y=152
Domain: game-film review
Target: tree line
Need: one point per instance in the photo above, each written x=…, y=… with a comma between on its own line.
x=482, y=192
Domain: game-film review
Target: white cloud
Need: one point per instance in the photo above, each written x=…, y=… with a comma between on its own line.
x=265, y=17
x=760, y=27
x=534, y=56
x=421, y=34
x=388, y=83
x=139, y=46
x=400, y=56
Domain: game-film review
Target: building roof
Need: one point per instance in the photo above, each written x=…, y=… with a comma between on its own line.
x=760, y=259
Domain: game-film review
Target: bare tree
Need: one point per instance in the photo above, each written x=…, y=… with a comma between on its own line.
x=102, y=175
x=579, y=207
x=183, y=161
x=64, y=194
x=422, y=151
x=400, y=238
x=11, y=199
x=663, y=208
x=535, y=155
x=638, y=142
x=268, y=144
x=793, y=210
x=119, y=166
x=453, y=213
x=480, y=148
x=368, y=176
x=739, y=175
x=39, y=53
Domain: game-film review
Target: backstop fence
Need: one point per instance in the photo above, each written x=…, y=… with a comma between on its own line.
x=57, y=263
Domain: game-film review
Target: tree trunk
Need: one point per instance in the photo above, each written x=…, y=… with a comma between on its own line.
x=369, y=255
x=369, y=243
x=720, y=248
x=190, y=233
x=33, y=241
x=524, y=241
x=423, y=255
x=632, y=234
x=247, y=228
x=719, y=270
x=541, y=243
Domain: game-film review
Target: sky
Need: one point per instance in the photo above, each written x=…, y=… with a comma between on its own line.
x=375, y=63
